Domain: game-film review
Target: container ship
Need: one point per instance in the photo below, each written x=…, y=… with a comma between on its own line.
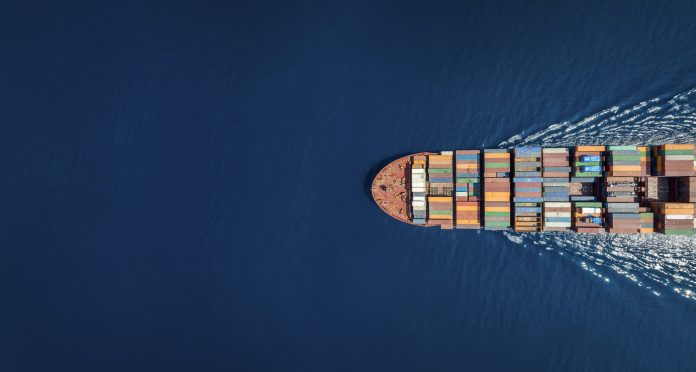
x=586, y=189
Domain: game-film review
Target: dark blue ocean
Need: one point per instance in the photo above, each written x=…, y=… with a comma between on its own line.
x=185, y=185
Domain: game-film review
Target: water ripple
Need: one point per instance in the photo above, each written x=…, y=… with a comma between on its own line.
x=655, y=262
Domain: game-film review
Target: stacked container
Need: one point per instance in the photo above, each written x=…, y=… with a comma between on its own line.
x=467, y=189
x=440, y=193
x=557, y=216
x=440, y=211
x=588, y=217
x=687, y=189
x=647, y=221
x=496, y=163
x=556, y=189
x=528, y=198
x=528, y=162
x=527, y=217
x=588, y=161
x=496, y=188
x=674, y=160
x=440, y=174
x=418, y=189
x=622, y=189
x=626, y=161
x=556, y=163
x=623, y=218
x=674, y=218
x=645, y=161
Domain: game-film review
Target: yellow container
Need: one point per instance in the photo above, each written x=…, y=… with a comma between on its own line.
x=590, y=148
x=467, y=208
x=440, y=199
x=440, y=217
x=679, y=147
x=468, y=222
x=497, y=209
x=497, y=155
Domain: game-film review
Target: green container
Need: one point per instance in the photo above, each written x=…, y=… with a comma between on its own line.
x=467, y=180
x=589, y=204
x=678, y=152
x=587, y=163
x=679, y=232
x=497, y=165
x=497, y=214
x=440, y=170
x=441, y=213
x=625, y=157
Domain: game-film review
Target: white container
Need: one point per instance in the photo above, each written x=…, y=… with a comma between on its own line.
x=418, y=198
x=462, y=193
x=418, y=203
x=554, y=150
x=417, y=170
x=418, y=189
x=446, y=153
x=557, y=224
x=679, y=217
x=557, y=214
x=679, y=157
x=557, y=204
x=591, y=210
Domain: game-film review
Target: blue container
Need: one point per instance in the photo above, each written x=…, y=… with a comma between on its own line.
x=590, y=158
x=555, y=198
x=591, y=168
x=527, y=200
x=527, y=179
x=528, y=210
x=467, y=157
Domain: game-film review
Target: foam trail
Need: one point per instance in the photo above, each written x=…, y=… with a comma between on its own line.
x=653, y=261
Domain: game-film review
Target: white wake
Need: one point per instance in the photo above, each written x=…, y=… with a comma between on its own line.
x=653, y=261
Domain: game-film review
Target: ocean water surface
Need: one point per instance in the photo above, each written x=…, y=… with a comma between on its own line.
x=185, y=185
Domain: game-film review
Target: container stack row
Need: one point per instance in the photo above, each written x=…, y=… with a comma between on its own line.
x=557, y=216
x=647, y=221
x=588, y=161
x=528, y=217
x=440, y=189
x=440, y=211
x=627, y=161
x=556, y=189
x=622, y=189
x=588, y=217
x=440, y=180
x=623, y=218
x=528, y=161
x=674, y=160
x=528, y=198
x=674, y=218
x=556, y=162
x=418, y=189
x=496, y=188
x=467, y=189
x=496, y=163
